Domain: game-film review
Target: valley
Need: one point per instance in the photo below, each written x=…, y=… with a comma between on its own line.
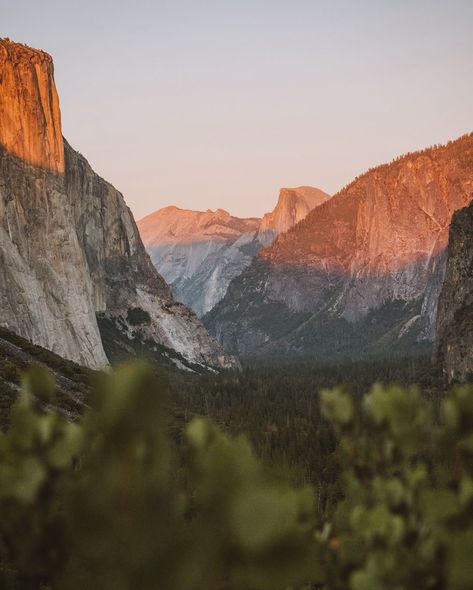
x=199, y=253
x=202, y=401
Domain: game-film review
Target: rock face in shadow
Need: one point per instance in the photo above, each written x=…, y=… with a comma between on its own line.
x=199, y=253
x=46, y=292
x=375, y=248
x=455, y=310
x=69, y=246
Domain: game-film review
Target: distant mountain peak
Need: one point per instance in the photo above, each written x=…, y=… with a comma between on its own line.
x=361, y=273
x=293, y=205
x=200, y=252
x=173, y=225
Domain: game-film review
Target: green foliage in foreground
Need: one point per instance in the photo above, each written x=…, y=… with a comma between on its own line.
x=110, y=503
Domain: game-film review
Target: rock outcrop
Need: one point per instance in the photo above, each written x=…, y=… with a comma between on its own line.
x=199, y=253
x=455, y=310
x=362, y=272
x=69, y=246
x=30, y=119
x=293, y=206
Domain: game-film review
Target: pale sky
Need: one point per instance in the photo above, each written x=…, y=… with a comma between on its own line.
x=207, y=104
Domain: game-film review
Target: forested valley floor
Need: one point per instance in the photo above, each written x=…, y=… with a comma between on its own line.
x=278, y=407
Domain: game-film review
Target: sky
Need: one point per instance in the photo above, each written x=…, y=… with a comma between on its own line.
x=217, y=104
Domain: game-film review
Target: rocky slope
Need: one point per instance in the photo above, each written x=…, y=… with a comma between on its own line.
x=455, y=312
x=17, y=354
x=69, y=247
x=359, y=275
x=199, y=253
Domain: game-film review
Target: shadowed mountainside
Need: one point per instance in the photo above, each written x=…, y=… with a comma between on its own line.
x=199, y=253
x=455, y=313
x=69, y=246
x=361, y=274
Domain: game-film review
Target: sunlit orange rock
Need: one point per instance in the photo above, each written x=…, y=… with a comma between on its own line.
x=362, y=272
x=30, y=118
x=172, y=225
x=293, y=206
x=390, y=217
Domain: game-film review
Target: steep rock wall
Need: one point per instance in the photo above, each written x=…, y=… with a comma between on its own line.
x=379, y=241
x=293, y=205
x=455, y=312
x=69, y=247
x=30, y=119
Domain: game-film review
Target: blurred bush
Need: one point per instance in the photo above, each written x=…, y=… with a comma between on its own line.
x=110, y=502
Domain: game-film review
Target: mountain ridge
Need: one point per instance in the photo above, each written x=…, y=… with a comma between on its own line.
x=380, y=240
x=200, y=252
x=170, y=224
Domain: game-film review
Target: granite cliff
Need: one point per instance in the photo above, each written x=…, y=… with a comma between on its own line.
x=292, y=206
x=455, y=310
x=30, y=119
x=70, y=252
x=361, y=274
x=199, y=253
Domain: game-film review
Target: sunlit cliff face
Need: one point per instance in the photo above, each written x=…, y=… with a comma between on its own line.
x=293, y=205
x=388, y=219
x=30, y=118
x=69, y=246
x=172, y=225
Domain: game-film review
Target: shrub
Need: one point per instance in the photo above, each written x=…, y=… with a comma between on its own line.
x=103, y=506
x=9, y=371
x=109, y=503
x=137, y=316
x=407, y=517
